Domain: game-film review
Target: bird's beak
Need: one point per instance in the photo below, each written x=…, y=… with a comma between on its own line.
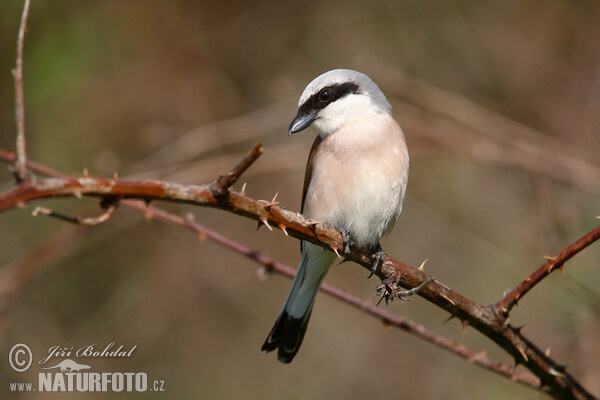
x=302, y=121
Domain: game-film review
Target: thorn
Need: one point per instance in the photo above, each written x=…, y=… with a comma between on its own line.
x=283, y=229
x=263, y=274
x=464, y=326
x=272, y=202
x=547, y=352
x=77, y=194
x=450, y=318
x=422, y=267
x=518, y=329
x=115, y=176
x=264, y=221
x=335, y=250
x=243, y=191
x=148, y=215
x=477, y=356
x=562, y=269
x=37, y=211
x=522, y=351
x=561, y=367
x=556, y=373
x=527, y=279
x=447, y=298
x=313, y=223
x=386, y=327
x=21, y=204
x=513, y=375
x=85, y=173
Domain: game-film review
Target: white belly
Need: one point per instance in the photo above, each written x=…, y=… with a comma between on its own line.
x=359, y=188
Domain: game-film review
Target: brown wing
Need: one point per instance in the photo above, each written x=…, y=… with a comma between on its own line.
x=309, y=168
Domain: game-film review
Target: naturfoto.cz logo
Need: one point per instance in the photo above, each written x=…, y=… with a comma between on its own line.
x=71, y=376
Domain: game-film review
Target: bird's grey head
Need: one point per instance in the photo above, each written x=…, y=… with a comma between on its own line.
x=335, y=96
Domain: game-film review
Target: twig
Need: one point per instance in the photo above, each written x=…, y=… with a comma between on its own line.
x=85, y=221
x=21, y=162
x=511, y=298
x=223, y=184
x=10, y=157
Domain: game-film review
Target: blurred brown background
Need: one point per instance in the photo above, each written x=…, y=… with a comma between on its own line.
x=500, y=105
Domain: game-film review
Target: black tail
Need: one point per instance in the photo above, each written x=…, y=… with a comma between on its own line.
x=289, y=329
x=287, y=335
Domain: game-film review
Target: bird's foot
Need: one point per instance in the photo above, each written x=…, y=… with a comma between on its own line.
x=390, y=290
x=377, y=259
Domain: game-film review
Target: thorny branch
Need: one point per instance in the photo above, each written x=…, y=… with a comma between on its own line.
x=553, y=376
x=270, y=265
x=557, y=262
x=21, y=162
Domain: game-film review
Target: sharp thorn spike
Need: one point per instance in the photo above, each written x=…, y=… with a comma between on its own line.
x=386, y=327
x=447, y=298
x=522, y=351
x=450, y=318
x=266, y=223
x=283, y=229
x=335, y=250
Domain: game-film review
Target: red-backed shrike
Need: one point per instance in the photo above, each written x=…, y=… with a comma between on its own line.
x=355, y=181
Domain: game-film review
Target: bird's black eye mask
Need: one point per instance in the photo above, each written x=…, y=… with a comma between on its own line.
x=326, y=96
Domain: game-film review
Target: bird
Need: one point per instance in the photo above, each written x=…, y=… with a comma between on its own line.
x=355, y=181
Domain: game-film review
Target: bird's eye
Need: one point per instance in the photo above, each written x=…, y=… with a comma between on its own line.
x=324, y=95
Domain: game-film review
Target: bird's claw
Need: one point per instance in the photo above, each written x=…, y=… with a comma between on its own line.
x=377, y=258
x=388, y=291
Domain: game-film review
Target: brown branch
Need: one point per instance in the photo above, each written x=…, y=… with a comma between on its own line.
x=495, y=326
x=476, y=358
x=511, y=298
x=21, y=162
